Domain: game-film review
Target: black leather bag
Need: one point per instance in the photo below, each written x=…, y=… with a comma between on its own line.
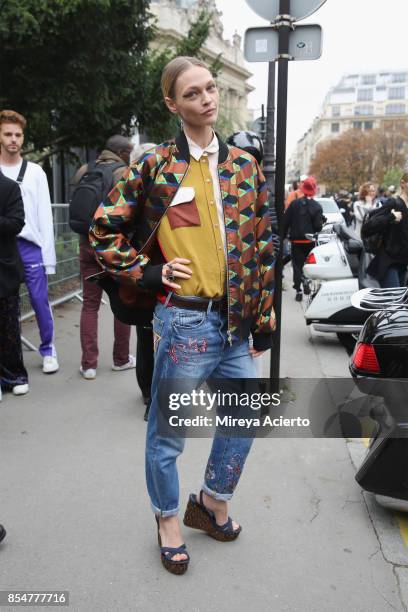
x=129, y=304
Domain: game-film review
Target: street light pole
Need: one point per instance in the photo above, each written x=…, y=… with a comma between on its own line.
x=284, y=25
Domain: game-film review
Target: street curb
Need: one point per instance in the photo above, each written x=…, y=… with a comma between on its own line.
x=385, y=522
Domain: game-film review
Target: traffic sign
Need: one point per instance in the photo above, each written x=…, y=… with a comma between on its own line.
x=258, y=126
x=262, y=44
x=299, y=9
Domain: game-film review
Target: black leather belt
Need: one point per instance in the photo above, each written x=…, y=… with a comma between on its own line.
x=219, y=304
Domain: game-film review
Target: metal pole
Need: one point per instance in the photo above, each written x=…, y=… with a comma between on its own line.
x=269, y=155
x=284, y=31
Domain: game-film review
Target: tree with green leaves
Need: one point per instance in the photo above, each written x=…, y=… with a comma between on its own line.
x=75, y=68
x=392, y=177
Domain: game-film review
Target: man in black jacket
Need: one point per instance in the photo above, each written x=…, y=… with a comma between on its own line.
x=303, y=216
x=12, y=371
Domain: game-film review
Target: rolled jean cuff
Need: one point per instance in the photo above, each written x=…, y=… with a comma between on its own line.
x=164, y=513
x=215, y=495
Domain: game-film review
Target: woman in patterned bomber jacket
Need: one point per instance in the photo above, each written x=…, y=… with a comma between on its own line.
x=197, y=212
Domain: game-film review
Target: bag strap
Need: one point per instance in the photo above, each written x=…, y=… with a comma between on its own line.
x=22, y=172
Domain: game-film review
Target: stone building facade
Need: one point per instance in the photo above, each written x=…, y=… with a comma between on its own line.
x=173, y=21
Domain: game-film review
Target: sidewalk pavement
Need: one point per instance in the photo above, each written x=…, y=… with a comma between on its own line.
x=74, y=503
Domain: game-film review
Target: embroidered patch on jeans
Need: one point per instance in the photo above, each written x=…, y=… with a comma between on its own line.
x=184, y=352
x=210, y=471
x=234, y=469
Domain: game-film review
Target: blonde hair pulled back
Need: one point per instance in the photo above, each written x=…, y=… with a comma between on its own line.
x=173, y=70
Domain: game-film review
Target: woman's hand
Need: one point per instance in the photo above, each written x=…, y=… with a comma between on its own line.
x=176, y=268
x=254, y=353
x=397, y=214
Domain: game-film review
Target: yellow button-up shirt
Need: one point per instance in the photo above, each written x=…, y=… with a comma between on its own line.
x=191, y=229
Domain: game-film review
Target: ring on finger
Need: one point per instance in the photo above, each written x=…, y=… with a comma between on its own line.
x=169, y=274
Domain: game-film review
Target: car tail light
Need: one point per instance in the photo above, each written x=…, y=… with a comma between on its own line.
x=364, y=358
x=311, y=259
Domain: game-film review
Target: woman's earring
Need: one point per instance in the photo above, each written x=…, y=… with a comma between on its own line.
x=181, y=123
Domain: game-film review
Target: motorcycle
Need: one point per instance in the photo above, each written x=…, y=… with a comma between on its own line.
x=379, y=366
x=336, y=269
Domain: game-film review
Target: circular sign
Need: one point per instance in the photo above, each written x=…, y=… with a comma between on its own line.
x=299, y=9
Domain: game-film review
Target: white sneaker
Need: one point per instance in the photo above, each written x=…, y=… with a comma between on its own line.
x=126, y=366
x=20, y=389
x=89, y=374
x=50, y=365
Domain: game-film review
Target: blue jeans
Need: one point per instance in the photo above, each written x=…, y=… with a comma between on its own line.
x=395, y=276
x=193, y=344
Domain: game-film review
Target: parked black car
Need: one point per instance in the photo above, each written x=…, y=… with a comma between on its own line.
x=382, y=347
x=379, y=365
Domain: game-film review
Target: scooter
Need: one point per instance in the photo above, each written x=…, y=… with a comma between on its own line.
x=336, y=269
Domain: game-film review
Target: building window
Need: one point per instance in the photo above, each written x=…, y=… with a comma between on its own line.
x=364, y=109
x=336, y=111
x=368, y=125
x=364, y=95
x=396, y=93
x=335, y=128
x=368, y=79
x=343, y=90
x=381, y=88
x=399, y=77
x=357, y=125
x=395, y=109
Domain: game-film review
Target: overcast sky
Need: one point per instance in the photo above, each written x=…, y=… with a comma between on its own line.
x=358, y=36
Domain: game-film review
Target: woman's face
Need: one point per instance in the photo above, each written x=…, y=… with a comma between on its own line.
x=404, y=187
x=372, y=191
x=196, y=98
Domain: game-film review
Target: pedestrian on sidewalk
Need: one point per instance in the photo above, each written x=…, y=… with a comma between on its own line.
x=144, y=331
x=295, y=193
x=36, y=240
x=364, y=204
x=114, y=159
x=303, y=216
x=390, y=222
x=12, y=371
x=344, y=202
x=203, y=207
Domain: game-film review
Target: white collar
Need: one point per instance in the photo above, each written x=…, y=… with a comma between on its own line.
x=196, y=151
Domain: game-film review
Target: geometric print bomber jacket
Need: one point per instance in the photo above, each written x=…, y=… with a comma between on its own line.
x=123, y=231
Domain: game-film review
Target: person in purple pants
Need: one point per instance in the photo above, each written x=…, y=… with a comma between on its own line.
x=36, y=240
